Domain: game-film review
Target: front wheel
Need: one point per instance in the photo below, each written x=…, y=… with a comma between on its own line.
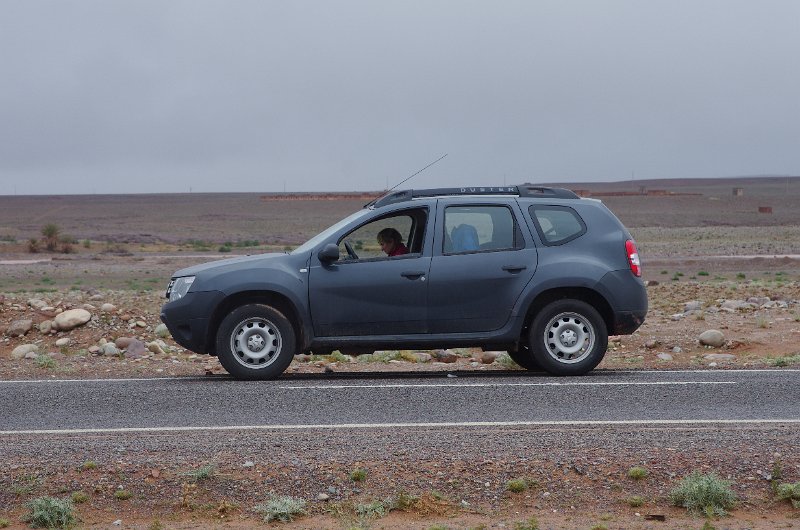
x=568, y=337
x=255, y=341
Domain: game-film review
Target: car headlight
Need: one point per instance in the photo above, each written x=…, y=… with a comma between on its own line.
x=178, y=287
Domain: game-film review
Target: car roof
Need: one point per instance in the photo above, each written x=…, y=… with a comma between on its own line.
x=523, y=190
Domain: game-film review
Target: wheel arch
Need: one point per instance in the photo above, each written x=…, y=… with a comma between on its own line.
x=584, y=294
x=277, y=300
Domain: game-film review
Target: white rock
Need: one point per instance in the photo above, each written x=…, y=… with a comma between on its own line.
x=677, y=349
x=664, y=356
x=109, y=349
x=22, y=350
x=108, y=308
x=162, y=331
x=31, y=355
x=719, y=357
x=64, y=341
x=694, y=305
x=71, y=319
x=712, y=337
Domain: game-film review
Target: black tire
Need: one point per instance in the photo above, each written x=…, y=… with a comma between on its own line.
x=568, y=337
x=255, y=341
x=524, y=357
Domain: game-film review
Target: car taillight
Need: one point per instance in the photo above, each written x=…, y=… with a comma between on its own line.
x=633, y=258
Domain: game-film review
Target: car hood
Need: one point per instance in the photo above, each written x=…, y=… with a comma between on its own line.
x=215, y=267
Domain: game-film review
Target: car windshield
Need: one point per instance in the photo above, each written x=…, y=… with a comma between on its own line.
x=314, y=241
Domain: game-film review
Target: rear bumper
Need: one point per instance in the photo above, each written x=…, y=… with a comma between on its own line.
x=187, y=319
x=626, y=322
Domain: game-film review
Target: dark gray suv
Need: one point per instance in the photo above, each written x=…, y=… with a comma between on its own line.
x=538, y=272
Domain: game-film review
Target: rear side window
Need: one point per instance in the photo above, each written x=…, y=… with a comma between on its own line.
x=557, y=224
x=480, y=228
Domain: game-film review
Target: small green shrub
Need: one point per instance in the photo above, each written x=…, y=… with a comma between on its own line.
x=123, y=495
x=224, y=248
x=88, y=465
x=5, y=523
x=373, y=509
x=79, y=497
x=283, y=509
x=358, y=475
x=600, y=526
x=706, y=494
x=517, y=485
x=781, y=362
x=702, y=273
x=637, y=473
x=203, y=473
x=635, y=501
x=740, y=276
x=790, y=492
x=45, y=362
x=530, y=524
x=49, y=512
x=664, y=272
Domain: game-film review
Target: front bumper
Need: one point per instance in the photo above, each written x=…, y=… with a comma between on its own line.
x=188, y=319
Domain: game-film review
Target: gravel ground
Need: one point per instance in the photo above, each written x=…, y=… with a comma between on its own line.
x=577, y=477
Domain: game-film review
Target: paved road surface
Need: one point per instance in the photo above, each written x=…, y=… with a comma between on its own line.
x=401, y=400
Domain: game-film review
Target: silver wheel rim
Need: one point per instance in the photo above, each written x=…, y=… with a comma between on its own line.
x=569, y=338
x=256, y=343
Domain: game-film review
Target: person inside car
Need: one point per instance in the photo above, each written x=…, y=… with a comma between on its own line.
x=391, y=242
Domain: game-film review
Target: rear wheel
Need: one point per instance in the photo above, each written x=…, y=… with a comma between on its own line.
x=255, y=341
x=568, y=337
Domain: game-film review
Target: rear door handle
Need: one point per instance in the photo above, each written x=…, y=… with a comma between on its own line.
x=514, y=268
x=413, y=275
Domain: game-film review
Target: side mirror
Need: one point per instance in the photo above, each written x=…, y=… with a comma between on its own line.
x=329, y=253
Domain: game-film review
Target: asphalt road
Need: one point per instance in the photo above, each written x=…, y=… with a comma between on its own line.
x=400, y=400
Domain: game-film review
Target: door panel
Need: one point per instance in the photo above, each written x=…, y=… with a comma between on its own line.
x=380, y=297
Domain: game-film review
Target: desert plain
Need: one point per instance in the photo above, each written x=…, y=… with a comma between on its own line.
x=717, y=254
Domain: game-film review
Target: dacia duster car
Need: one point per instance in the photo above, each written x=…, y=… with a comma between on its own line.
x=535, y=271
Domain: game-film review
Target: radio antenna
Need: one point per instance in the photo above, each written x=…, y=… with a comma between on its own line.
x=405, y=180
x=417, y=173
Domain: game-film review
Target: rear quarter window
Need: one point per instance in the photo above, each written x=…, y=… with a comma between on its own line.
x=557, y=224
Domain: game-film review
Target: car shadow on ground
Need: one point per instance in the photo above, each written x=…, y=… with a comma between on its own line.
x=432, y=375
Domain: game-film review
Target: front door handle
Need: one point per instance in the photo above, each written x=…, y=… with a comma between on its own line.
x=513, y=269
x=413, y=275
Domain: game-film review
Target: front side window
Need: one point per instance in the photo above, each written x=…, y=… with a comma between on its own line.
x=557, y=224
x=480, y=228
x=392, y=236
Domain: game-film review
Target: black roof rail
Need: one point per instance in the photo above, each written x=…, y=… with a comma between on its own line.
x=524, y=190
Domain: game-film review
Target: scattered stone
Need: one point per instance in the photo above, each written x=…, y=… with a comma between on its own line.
x=18, y=328
x=94, y=349
x=736, y=305
x=677, y=316
x=422, y=357
x=63, y=341
x=249, y=463
x=162, y=331
x=758, y=300
x=141, y=323
x=135, y=348
x=712, y=337
x=108, y=308
x=71, y=319
x=45, y=326
x=96, y=297
x=720, y=357
x=488, y=357
x=677, y=349
x=22, y=350
x=155, y=348
x=118, y=522
x=123, y=342
x=664, y=356
x=31, y=355
x=323, y=497
x=37, y=303
x=652, y=344
x=445, y=356
x=126, y=317
x=329, y=369
x=109, y=349
x=694, y=305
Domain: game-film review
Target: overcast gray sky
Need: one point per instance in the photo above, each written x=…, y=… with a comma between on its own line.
x=147, y=97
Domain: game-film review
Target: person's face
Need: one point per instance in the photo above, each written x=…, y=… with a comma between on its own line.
x=387, y=246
